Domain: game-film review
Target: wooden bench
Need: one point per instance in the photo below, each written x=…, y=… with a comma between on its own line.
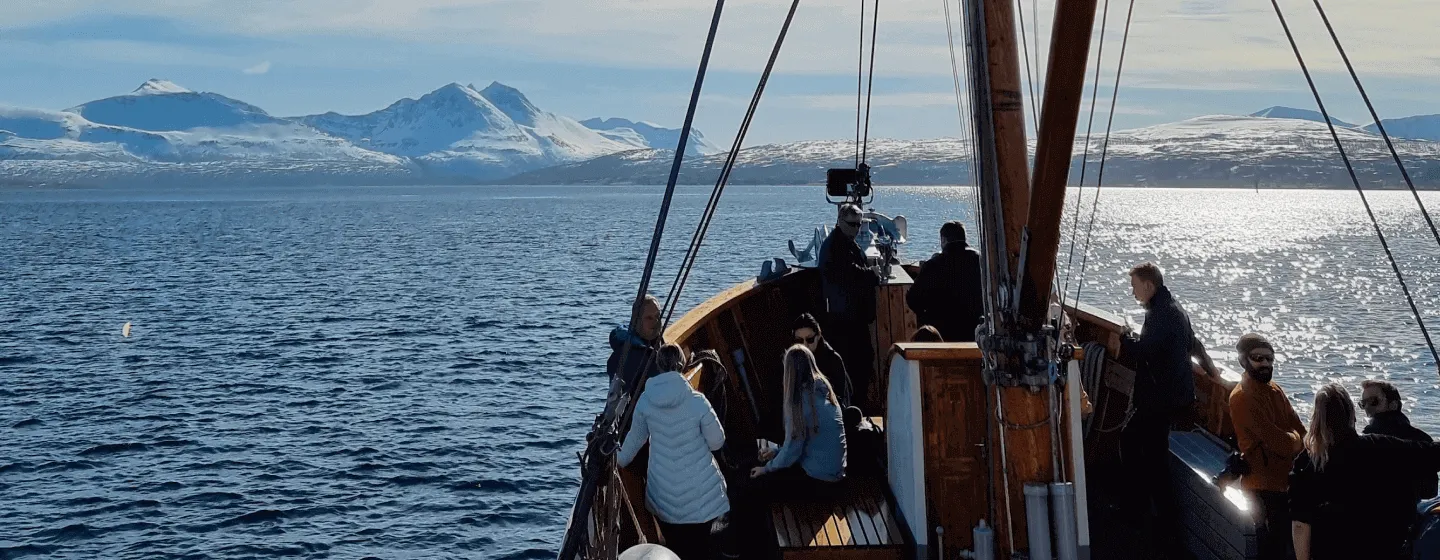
x=857, y=523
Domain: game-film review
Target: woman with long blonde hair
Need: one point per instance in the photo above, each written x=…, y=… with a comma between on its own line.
x=814, y=449
x=1349, y=492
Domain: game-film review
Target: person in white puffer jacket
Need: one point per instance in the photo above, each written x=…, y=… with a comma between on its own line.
x=684, y=487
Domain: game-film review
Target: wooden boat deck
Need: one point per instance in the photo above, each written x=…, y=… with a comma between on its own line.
x=937, y=430
x=859, y=523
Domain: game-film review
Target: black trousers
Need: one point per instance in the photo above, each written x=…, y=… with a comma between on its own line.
x=1272, y=524
x=689, y=541
x=1145, y=451
x=857, y=349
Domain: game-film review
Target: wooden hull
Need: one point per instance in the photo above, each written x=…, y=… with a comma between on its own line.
x=950, y=473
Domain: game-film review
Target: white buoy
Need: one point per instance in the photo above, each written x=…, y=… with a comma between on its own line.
x=125, y=330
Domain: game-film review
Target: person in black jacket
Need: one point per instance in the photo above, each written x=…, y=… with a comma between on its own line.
x=1348, y=496
x=848, y=285
x=948, y=292
x=1163, y=395
x=1381, y=401
x=806, y=331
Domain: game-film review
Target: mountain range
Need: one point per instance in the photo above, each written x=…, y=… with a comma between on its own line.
x=164, y=133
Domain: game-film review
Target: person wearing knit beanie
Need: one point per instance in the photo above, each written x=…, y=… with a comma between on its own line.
x=1269, y=434
x=1249, y=344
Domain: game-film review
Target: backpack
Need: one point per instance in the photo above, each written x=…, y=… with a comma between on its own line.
x=864, y=444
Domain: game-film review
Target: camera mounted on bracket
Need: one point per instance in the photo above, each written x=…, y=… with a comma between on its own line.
x=848, y=185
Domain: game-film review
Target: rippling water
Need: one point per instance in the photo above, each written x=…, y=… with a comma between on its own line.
x=409, y=372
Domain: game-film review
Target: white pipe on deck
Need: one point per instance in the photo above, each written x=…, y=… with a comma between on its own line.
x=1077, y=457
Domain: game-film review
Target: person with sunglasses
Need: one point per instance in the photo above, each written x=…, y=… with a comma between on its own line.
x=1349, y=492
x=1270, y=435
x=1381, y=401
x=806, y=332
x=848, y=285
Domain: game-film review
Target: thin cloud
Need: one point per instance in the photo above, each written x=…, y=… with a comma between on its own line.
x=1385, y=36
x=261, y=68
x=846, y=101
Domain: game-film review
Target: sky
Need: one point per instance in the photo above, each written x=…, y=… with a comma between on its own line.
x=637, y=58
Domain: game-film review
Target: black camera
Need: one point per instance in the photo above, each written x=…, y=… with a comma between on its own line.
x=851, y=184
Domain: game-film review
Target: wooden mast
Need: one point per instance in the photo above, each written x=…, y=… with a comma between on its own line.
x=1064, y=85
x=1007, y=115
x=1024, y=213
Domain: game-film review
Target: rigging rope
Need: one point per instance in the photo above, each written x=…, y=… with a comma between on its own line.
x=1029, y=75
x=859, y=82
x=597, y=455
x=1380, y=125
x=1035, y=37
x=698, y=239
x=1353, y=179
x=870, y=85
x=954, y=66
x=967, y=133
x=1085, y=159
x=1104, y=151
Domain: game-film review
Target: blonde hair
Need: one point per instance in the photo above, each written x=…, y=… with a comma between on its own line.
x=1333, y=420
x=801, y=374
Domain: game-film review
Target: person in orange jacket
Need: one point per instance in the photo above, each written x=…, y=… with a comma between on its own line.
x=1270, y=436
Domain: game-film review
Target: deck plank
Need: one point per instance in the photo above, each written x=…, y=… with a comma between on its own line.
x=877, y=519
x=863, y=536
x=832, y=528
x=892, y=528
x=816, y=522
x=786, y=533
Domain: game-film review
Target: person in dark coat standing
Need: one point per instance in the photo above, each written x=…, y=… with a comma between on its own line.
x=1163, y=395
x=1349, y=496
x=636, y=344
x=948, y=293
x=806, y=331
x=848, y=285
x=1381, y=401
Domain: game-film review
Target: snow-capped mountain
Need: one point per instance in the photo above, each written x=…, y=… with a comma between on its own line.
x=1279, y=112
x=459, y=131
x=158, y=106
x=649, y=135
x=162, y=131
x=1215, y=150
x=1420, y=127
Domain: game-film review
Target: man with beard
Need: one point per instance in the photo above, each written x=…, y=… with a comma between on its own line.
x=1270, y=435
